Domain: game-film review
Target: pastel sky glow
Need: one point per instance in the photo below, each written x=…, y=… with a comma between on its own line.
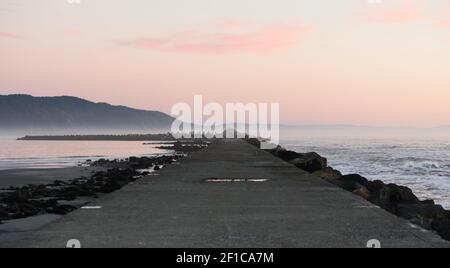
x=260, y=40
x=325, y=62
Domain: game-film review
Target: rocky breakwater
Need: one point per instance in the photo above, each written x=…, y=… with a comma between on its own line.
x=396, y=199
x=186, y=146
x=62, y=197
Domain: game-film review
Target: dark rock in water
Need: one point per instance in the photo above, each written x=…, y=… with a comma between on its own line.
x=310, y=162
x=442, y=227
x=422, y=214
x=328, y=174
x=351, y=182
x=156, y=168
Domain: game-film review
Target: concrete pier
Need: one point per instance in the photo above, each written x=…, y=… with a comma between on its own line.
x=280, y=206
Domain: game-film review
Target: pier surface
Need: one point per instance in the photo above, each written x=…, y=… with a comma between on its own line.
x=281, y=206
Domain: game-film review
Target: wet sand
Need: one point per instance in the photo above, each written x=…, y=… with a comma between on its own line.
x=22, y=177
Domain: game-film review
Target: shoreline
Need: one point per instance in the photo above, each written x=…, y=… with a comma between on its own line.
x=46, y=194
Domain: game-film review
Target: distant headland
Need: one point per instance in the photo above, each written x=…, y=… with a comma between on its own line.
x=32, y=115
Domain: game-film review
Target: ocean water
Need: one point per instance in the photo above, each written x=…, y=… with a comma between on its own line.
x=57, y=154
x=423, y=164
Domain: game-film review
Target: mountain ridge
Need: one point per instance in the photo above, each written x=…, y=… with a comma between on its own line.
x=21, y=112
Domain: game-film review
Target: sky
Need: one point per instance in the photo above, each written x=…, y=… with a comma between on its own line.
x=362, y=62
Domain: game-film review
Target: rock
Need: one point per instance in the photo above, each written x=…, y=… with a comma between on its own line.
x=60, y=209
x=3, y=213
x=13, y=198
x=351, y=182
x=428, y=202
x=110, y=187
x=328, y=174
x=85, y=190
x=133, y=159
x=309, y=162
x=101, y=162
x=391, y=195
x=442, y=227
x=355, y=178
x=283, y=153
x=421, y=214
x=58, y=183
x=67, y=194
x=29, y=209
x=374, y=186
x=255, y=142
x=405, y=194
x=363, y=192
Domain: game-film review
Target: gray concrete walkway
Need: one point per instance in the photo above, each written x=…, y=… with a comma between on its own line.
x=178, y=209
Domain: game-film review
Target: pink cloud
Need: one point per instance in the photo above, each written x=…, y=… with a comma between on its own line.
x=264, y=39
x=404, y=12
x=395, y=11
x=12, y=35
x=443, y=21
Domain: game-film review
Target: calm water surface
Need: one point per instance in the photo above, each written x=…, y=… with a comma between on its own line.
x=55, y=154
